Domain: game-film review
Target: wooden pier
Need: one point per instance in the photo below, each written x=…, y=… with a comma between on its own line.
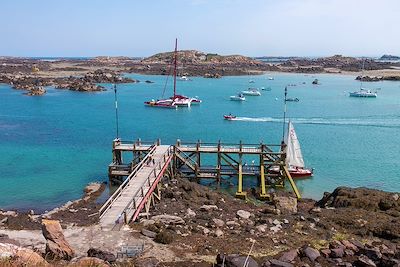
x=139, y=178
x=141, y=187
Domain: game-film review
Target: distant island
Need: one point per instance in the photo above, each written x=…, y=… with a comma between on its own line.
x=85, y=74
x=389, y=57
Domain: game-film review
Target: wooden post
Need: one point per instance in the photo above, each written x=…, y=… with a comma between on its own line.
x=219, y=164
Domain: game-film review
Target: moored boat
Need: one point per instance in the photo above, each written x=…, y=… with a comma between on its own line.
x=251, y=92
x=363, y=93
x=238, y=97
x=175, y=100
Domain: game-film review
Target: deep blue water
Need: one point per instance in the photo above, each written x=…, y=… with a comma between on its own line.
x=52, y=146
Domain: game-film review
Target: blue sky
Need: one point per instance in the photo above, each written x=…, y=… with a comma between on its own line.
x=248, y=27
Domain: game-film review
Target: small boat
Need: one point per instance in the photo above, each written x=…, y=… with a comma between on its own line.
x=251, y=91
x=270, y=78
x=363, y=93
x=294, y=157
x=196, y=100
x=315, y=81
x=266, y=89
x=184, y=78
x=293, y=99
x=251, y=81
x=229, y=117
x=238, y=97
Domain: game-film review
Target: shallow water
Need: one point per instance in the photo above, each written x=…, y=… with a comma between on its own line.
x=51, y=146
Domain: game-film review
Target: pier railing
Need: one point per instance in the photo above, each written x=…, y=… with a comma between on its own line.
x=141, y=194
x=118, y=192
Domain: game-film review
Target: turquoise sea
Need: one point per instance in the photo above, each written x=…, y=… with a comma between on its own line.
x=52, y=146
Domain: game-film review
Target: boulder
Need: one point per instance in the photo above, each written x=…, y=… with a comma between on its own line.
x=164, y=237
x=287, y=205
x=235, y=260
x=337, y=252
x=311, y=253
x=57, y=246
x=190, y=213
x=100, y=254
x=262, y=228
x=218, y=233
x=208, y=207
x=148, y=233
x=168, y=219
x=279, y=263
x=218, y=222
x=243, y=214
x=21, y=256
x=289, y=256
x=364, y=261
x=88, y=261
x=349, y=245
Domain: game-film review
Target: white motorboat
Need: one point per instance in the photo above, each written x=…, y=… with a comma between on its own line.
x=238, y=97
x=363, y=93
x=184, y=78
x=270, y=78
x=251, y=92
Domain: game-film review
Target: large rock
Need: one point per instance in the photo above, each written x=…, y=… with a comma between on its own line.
x=243, y=214
x=279, y=263
x=168, y=219
x=57, y=246
x=100, y=254
x=289, y=256
x=21, y=256
x=88, y=261
x=363, y=198
x=311, y=253
x=148, y=233
x=235, y=261
x=287, y=205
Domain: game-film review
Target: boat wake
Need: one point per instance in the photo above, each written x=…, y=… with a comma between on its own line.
x=385, y=122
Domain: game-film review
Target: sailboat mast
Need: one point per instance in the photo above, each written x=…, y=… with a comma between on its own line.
x=362, y=73
x=175, y=60
x=284, y=116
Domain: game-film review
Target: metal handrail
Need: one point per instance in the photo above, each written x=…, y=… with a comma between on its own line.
x=133, y=201
x=118, y=192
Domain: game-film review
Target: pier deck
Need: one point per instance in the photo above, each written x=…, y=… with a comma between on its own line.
x=129, y=199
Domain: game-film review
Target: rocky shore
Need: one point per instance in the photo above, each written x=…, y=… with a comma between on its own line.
x=193, y=225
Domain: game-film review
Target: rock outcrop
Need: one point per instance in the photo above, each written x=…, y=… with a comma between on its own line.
x=20, y=256
x=57, y=246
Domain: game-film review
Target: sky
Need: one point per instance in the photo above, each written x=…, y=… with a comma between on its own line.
x=247, y=27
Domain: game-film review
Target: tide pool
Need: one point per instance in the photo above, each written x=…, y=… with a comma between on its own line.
x=52, y=146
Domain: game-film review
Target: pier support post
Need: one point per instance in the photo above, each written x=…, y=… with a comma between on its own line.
x=240, y=193
x=263, y=193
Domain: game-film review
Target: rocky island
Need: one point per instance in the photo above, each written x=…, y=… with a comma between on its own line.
x=33, y=75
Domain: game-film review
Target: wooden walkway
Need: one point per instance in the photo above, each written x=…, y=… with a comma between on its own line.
x=131, y=197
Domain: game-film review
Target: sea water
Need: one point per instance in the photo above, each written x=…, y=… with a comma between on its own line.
x=51, y=146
